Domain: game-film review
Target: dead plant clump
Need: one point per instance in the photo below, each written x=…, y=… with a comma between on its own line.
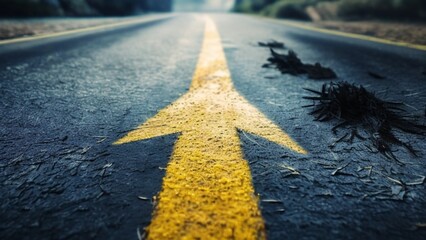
x=272, y=44
x=291, y=64
x=358, y=109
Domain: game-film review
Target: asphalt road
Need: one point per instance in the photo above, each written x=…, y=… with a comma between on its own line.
x=65, y=101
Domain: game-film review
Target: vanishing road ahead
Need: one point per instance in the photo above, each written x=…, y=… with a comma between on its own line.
x=170, y=124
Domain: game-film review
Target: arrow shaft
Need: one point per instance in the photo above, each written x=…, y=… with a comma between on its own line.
x=207, y=191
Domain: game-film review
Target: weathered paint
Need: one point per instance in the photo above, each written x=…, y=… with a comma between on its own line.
x=207, y=192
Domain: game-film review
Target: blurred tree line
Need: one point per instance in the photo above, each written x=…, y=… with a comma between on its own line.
x=28, y=8
x=336, y=9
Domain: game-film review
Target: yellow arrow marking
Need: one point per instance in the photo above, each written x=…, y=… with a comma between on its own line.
x=207, y=192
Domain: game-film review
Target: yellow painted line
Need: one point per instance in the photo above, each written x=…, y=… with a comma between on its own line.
x=207, y=192
x=84, y=30
x=348, y=35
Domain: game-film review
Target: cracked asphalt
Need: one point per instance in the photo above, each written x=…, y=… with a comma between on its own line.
x=64, y=101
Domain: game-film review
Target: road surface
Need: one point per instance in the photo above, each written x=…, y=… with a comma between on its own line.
x=66, y=102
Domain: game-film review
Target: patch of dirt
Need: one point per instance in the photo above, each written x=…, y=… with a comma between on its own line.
x=29, y=27
x=359, y=110
x=414, y=33
x=291, y=64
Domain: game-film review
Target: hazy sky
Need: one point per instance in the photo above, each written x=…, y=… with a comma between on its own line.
x=202, y=5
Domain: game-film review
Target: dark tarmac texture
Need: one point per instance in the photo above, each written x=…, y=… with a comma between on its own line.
x=63, y=103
